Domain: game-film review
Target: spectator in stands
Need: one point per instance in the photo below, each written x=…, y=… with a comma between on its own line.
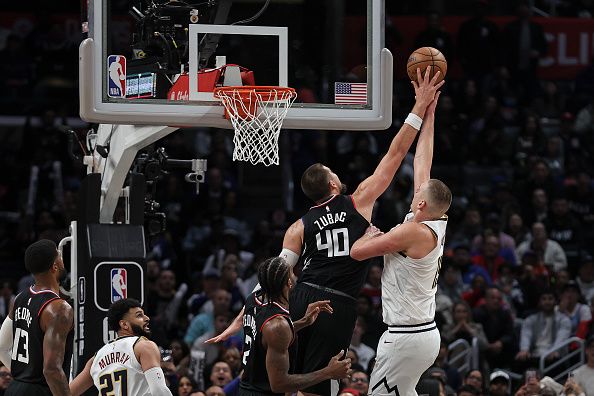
x=526, y=44
x=542, y=331
x=539, y=206
x=450, y=282
x=539, y=176
x=516, y=228
x=153, y=270
x=229, y=245
x=180, y=359
x=489, y=257
x=452, y=374
x=349, y=392
x=364, y=352
x=462, y=260
x=373, y=286
x=213, y=352
x=564, y=227
x=498, y=326
x=507, y=243
x=185, y=386
x=215, y=391
x=499, y=384
x=202, y=301
x=464, y=327
x=570, y=305
x=552, y=103
x=584, y=375
x=441, y=376
x=584, y=121
x=468, y=390
x=585, y=278
x=220, y=374
x=5, y=378
x=204, y=322
x=435, y=36
x=164, y=307
x=471, y=226
x=554, y=155
x=474, y=379
x=233, y=358
x=430, y=387
x=360, y=382
x=548, y=251
x=581, y=202
x=231, y=282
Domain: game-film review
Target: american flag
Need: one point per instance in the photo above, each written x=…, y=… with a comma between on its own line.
x=350, y=93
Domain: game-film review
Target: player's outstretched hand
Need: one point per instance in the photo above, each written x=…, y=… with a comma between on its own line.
x=425, y=88
x=339, y=368
x=233, y=328
x=314, y=309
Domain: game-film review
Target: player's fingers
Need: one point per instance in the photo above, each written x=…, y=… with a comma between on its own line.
x=339, y=355
x=415, y=85
x=419, y=76
x=427, y=74
x=435, y=77
x=440, y=84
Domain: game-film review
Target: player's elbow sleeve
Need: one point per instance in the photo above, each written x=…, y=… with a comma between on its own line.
x=156, y=382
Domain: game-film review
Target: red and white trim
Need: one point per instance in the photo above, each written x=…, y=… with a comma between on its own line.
x=42, y=291
x=45, y=305
x=325, y=202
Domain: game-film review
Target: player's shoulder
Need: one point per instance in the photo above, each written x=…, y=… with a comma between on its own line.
x=278, y=330
x=57, y=308
x=144, y=345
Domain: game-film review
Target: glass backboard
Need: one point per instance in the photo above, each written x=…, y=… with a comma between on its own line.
x=156, y=62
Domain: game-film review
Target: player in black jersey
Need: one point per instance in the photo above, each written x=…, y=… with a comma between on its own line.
x=40, y=325
x=323, y=239
x=270, y=340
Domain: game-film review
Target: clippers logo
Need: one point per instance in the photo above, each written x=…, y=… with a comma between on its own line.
x=119, y=284
x=116, y=76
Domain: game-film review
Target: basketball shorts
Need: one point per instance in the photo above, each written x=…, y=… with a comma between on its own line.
x=403, y=354
x=18, y=388
x=328, y=335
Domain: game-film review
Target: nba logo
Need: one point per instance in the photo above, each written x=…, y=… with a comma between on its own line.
x=119, y=284
x=116, y=76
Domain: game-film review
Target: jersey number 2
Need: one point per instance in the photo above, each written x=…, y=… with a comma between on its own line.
x=334, y=239
x=106, y=383
x=18, y=335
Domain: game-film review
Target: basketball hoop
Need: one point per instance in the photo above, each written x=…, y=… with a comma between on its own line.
x=257, y=114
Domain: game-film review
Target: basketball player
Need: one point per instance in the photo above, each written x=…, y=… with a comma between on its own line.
x=38, y=328
x=323, y=238
x=128, y=365
x=412, y=260
x=270, y=337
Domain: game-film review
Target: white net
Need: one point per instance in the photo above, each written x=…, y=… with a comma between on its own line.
x=257, y=115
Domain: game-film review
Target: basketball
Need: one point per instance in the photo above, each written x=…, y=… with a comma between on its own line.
x=424, y=57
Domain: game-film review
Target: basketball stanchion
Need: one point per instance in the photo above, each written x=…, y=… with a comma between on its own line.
x=257, y=114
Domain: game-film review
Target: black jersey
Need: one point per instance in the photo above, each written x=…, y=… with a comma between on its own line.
x=330, y=230
x=255, y=316
x=27, y=352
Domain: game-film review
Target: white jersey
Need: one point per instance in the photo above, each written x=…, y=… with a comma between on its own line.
x=409, y=285
x=116, y=370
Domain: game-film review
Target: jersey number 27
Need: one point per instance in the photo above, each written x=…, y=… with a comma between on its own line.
x=336, y=242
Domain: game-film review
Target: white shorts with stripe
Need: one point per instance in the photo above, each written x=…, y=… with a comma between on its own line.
x=403, y=354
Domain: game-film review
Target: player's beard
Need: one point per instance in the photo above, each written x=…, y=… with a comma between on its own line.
x=140, y=331
x=343, y=188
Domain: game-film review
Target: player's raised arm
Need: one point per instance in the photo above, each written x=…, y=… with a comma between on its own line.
x=371, y=188
x=277, y=337
x=56, y=322
x=424, y=152
x=292, y=243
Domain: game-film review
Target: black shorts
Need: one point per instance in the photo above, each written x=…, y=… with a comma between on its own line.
x=18, y=388
x=328, y=335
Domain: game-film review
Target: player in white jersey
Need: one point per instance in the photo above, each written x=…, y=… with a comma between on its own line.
x=130, y=365
x=412, y=259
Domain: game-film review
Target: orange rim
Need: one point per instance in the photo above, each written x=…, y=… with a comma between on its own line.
x=246, y=91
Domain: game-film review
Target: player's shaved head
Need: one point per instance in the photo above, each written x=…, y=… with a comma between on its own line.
x=439, y=196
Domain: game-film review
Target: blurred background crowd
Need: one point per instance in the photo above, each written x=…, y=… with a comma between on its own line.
x=517, y=279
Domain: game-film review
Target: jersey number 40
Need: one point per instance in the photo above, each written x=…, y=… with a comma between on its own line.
x=336, y=242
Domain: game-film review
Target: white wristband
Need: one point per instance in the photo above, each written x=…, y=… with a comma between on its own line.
x=414, y=121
